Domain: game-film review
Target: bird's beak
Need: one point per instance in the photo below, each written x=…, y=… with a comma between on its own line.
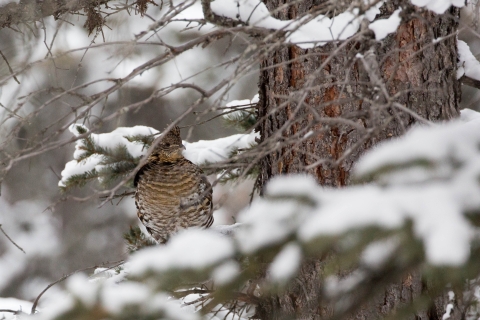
x=183, y=146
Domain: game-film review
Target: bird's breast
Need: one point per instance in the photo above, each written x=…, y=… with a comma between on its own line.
x=167, y=185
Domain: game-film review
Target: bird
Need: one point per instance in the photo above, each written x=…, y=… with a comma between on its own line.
x=172, y=193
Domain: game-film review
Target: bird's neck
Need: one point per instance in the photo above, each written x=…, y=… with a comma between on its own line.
x=165, y=160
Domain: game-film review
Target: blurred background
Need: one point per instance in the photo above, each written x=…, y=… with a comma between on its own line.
x=60, y=234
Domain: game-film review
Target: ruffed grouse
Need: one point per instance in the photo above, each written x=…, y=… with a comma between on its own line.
x=172, y=192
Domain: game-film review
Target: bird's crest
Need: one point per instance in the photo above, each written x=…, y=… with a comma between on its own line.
x=168, y=148
x=170, y=139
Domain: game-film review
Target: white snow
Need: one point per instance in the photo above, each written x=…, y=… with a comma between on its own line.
x=438, y=145
x=467, y=65
x=299, y=185
x=113, y=139
x=267, y=223
x=435, y=205
x=57, y=305
x=192, y=11
x=448, y=311
x=434, y=210
x=449, y=307
x=32, y=228
x=115, y=298
x=203, y=151
x=428, y=176
x=75, y=167
x=311, y=31
x=253, y=12
x=467, y=115
x=438, y=6
x=377, y=253
x=170, y=308
x=229, y=112
x=236, y=103
x=286, y=263
x=227, y=230
x=108, y=275
x=190, y=249
x=224, y=313
x=16, y=305
x=226, y=272
x=78, y=285
x=384, y=27
x=308, y=134
x=109, y=140
x=334, y=286
x=373, y=10
x=451, y=295
x=307, y=32
x=213, y=151
x=321, y=30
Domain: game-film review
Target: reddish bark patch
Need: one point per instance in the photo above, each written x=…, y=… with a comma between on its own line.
x=297, y=75
x=279, y=74
x=331, y=110
x=403, y=67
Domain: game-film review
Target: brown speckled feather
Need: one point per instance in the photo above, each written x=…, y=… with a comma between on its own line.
x=172, y=192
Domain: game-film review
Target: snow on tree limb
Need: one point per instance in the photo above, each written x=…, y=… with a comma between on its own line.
x=317, y=29
x=438, y=6
x=113, y=302
x=428, y=177
x=307, y=32
x=384, y=27
x=201, y=249
x=100, y=156
x=10, y=307
x=468, y=65
x=418, y=208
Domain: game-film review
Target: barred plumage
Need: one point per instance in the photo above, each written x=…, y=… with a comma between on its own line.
x=172, y=192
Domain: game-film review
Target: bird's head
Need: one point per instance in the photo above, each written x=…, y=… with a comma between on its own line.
x=170, y=147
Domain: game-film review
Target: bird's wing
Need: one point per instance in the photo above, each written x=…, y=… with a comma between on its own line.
x=203, y=191
x=140, y=172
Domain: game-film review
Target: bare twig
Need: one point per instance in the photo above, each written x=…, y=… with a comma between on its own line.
x=10, y=239
x=11, y=311
x=35, y=303
x=8, y=65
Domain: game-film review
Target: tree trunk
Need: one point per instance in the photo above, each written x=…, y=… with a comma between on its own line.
x=332, y=93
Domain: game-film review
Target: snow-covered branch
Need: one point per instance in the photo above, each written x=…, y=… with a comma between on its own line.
x=314, y=29
x=418, y=208
x=107, y=156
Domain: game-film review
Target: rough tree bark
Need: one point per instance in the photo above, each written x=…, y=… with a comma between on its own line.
x=301, y=90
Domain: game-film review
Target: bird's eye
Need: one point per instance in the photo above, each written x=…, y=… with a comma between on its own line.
x=167, y=144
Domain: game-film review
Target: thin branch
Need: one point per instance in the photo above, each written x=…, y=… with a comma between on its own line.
x=121, y=195
x=10, y=239
x=470, y=82
x=35, y=303
x=12, y=311
x=212, y=17
x=9, y=67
